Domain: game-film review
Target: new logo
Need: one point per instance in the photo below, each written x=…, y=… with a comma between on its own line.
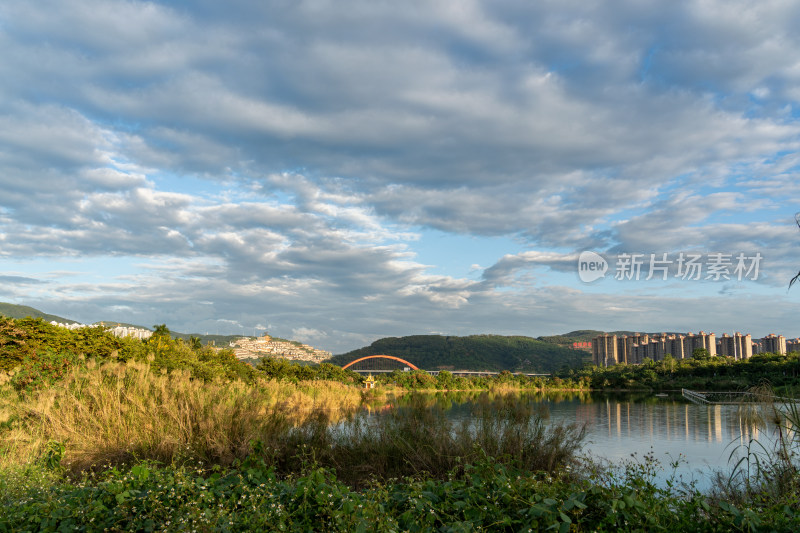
x=591, y=266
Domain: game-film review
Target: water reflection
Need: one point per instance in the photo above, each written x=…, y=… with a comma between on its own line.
x=663, y=421
x=615, y=417
x=698, y=437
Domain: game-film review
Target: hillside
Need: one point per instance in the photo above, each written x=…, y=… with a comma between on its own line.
x=220, y=341
x=22, y=311
x=475, y=352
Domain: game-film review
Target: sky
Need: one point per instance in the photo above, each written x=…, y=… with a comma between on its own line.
x=337, y=172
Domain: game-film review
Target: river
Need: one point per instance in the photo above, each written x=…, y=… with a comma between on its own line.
x=689, y=441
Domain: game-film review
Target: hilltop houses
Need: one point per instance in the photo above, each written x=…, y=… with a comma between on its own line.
x=266, y=346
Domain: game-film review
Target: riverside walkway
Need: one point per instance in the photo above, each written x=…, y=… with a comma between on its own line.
x=732, y=398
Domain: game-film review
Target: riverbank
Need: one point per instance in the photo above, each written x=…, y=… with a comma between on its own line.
x=720, y=373
x=166, y=436
x=410, y=469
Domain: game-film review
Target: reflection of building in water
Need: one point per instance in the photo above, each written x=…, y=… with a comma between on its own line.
x=669, y=421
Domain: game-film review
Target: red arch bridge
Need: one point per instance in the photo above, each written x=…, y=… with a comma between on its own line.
x=376, y=364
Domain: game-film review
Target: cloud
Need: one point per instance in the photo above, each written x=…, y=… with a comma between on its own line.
x=293, y=157
x=20, y=280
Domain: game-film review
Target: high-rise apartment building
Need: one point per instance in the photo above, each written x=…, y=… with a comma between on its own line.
x=774, y=344
x=703, y=340
x=675, y=346
x=608, y=350
x=658, y=347
x=737, y=346
x=604, y=350
x=793, y=345
x=634, y=351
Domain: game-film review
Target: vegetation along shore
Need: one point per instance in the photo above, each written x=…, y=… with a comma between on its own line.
x=103, y=433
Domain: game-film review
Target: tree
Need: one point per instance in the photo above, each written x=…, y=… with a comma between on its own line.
x=162, y=330
x=195, y=343
x=444, y=380
x=161, y=336
x=13, y=343
x=701, y=354
x=668, y=363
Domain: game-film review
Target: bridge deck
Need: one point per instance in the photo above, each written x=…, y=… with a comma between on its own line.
x=461, y=373
x=730, y=398
x=408, y=366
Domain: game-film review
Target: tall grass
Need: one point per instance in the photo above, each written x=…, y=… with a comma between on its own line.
x=119, y=412
x=769, y=469
x=124, y=413
x=421, y=440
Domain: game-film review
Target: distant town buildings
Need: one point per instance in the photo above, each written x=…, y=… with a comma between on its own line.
x=72, y=326
x=243, y=348
x=136, y=333
x=118, y=331
x=609, y=350
x=266, y=346
x=773, y=344
x=737, y=346
x=793, y=345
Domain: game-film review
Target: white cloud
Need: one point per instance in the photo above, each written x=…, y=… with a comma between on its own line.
x=333, y=136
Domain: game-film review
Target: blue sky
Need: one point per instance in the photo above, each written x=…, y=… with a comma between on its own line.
x=337, y=172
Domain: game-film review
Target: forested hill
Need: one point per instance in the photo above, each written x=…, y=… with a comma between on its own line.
x=22, y=311
x=475, y=352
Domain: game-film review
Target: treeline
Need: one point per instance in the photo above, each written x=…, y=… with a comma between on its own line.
x=277, y=368
x=419, y=380
x=38, y=354
x=702, y=373
x=475, y=352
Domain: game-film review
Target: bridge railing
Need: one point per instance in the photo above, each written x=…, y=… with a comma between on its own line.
x=456, y=373
x=727, y=397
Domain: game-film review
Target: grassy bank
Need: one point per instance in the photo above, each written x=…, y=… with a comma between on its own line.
x=165, y=436
x=410, y=469
x=117, y=412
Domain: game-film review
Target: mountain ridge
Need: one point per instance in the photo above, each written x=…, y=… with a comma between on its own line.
x=473, y=352
x=23, y=311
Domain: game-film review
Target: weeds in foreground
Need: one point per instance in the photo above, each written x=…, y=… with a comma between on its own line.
x=486, y=496
x=120, y=412
x=421, y=440
x=766, y=470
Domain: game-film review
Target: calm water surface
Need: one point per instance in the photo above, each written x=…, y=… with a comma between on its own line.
x=699, y=438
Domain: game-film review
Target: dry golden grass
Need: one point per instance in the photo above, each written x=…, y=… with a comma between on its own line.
x=117, y=412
